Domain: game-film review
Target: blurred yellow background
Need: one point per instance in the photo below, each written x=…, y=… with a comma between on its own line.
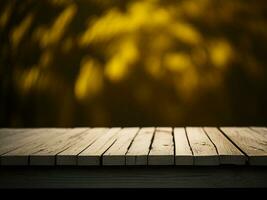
x=133, y=63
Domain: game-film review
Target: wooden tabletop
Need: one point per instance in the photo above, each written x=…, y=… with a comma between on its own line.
x=206, y=146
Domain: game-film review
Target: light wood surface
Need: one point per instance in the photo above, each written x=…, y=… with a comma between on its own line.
x=92, y=154
x=115, y=155
x=162, y=149
x=45, y=155
x=19, y=140
x=7, y=132
x=260, y=130
x=69, y=156
x=131, y=146
x=183, y=152
x=28, y=146
x=137, y=153
x=228, y=153
x=203, y=149
x=251, y=142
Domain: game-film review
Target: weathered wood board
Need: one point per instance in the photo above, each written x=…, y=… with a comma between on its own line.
x=251, y=142
x=162, y=149
x=131, y=146
x=138, y=152
x=203, y=149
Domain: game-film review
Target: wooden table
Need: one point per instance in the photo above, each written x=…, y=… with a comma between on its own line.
x=133, y=157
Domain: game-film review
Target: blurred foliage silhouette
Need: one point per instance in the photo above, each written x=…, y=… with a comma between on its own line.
x=133, y=63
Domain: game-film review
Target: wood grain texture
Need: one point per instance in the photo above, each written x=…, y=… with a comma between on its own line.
x=7, y=132
x=260, y=130
x=203, y=149
x=138, y=152
x=25, y=147
x=10, y=137
x=115, y=155
x=70, y=155
x=46, y=154
x=133, y=146
x=18, y=140
x=92, y=154
x=251, y=142
x=162, y=149
x=183, y=153
x=16, y=143
x=228, y=153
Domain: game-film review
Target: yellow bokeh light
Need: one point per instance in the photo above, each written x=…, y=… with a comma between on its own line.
x=20, y=31
x=45, y=59
x=140, y=15
x=220, y=53
x=187, y=84
x=186, y=33
x=177, y=52
x=119, y=65
x=177, y=62
x=54, y=34
x=153, y=67
x=89, y=81
x=104, y=28
x=27, y=79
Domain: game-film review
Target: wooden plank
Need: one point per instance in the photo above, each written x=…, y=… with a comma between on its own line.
x=7, y=132
x=46, y=154
x=138, y=152
x=250, y=142
x=115, y=155
x=4, y=131
x=203, y=146
x=8, y=136
x=20, y=135
x=92, y=154
x=70, y=155
x=183, y=153
x=13, y=135
x=24, y=147
x=260, y=130
x=162, y=149
x=228, y=153
x=203, y=149
x=17, y=141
